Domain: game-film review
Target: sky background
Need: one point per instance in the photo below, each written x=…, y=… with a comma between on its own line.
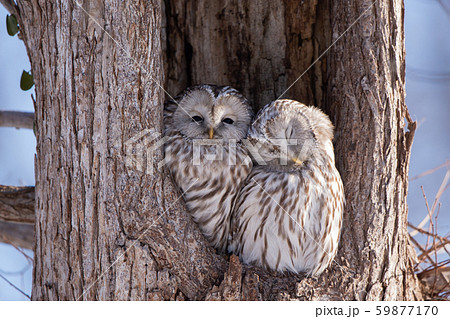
x=427, y=25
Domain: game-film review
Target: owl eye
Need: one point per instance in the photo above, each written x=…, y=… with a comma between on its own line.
x=197, y=118
x=228, y=120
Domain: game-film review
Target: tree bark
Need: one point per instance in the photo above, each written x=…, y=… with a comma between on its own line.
x=366, y=98
x=9, y=5
x=17, y=204
x=261, y=48
x=17, y=216
x=105, y=230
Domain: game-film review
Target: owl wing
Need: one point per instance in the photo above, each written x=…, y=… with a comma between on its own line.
x=280, y=221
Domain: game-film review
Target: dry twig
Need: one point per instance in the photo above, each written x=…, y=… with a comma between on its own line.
x=436, y=275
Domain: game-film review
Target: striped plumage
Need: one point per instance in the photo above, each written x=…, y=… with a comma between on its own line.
x=288, y=217
x=209, y=185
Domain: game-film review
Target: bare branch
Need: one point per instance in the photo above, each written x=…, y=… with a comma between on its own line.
x=439, y=193
x=10, y=6
x=18, y=235
x=420, y=230
x=424, y=252
x=430, y=171
x=16, y=119
x=14, y=286
x=17, y=204
x=437, y=279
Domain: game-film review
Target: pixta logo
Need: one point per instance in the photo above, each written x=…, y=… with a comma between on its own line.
x=145, y=151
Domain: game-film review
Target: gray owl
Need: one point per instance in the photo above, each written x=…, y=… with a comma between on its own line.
x=288, y=215
x=205, y=126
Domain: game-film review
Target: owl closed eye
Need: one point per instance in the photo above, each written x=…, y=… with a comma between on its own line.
x=288, y=214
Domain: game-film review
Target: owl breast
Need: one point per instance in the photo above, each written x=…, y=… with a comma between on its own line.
x=289, y=221
x=209, y=177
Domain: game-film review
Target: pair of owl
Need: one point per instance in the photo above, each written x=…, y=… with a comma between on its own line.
x=282, y=210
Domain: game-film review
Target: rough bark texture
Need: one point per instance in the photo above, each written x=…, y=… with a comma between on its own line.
x=263, y=47
x=17, y=216
x=258, y=47
x=105, y=230
x=366, y=98
x=17, y=204
x=93, y=94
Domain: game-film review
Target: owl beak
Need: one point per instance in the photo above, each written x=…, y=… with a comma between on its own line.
x=211, y=132
x=297, y=161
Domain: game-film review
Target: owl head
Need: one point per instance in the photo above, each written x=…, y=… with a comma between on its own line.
x=289, y=133
x=215, y=112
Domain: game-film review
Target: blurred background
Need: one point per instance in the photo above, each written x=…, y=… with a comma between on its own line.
x=427, y=24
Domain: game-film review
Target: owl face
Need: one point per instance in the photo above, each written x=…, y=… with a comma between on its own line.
x=287, y=134
x=212, y=112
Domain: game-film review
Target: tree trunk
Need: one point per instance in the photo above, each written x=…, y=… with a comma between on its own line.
x=366, y=98
x=106, y=229
x=262, y=48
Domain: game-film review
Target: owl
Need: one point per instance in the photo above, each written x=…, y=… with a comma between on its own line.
x=288, y=214
x=204, y=128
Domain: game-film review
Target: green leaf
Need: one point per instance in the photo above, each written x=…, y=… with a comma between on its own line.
x=11, y=25
x=26, y=81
